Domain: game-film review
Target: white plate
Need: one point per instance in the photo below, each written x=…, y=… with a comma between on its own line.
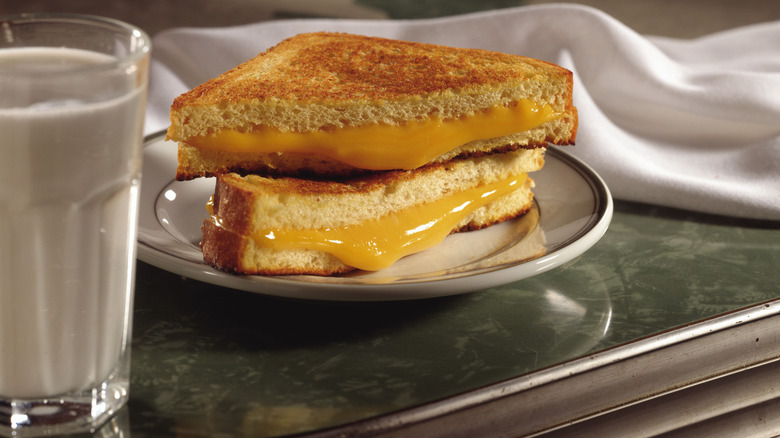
x=573, y=210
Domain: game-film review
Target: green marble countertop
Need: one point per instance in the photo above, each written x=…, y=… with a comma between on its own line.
x=210, y=361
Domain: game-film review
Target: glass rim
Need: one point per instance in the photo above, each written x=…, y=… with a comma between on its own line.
x=135, y=53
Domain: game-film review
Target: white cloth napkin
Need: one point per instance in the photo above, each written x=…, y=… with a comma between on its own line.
x=692, y=124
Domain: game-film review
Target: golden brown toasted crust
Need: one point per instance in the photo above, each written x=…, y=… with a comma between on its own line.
x=354, y=67
x=331, y=80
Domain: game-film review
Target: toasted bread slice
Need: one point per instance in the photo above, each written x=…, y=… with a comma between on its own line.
x=247, y=208
x=332, y=82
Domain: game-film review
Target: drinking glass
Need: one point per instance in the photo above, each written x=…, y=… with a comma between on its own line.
x=72, y=99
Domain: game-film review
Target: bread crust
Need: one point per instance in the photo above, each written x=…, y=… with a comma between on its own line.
x=358, y=68
x=331, y=80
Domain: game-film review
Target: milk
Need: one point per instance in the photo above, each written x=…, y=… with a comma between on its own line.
x=69, y=182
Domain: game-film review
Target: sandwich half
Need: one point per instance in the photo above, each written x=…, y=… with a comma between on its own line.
x=334, y=152
x=334, y=105
x=277, y=226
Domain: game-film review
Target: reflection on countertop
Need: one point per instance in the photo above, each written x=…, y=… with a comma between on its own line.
x=288, y=366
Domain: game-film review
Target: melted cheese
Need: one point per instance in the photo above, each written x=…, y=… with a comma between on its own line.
x=378, y=243
x=382, y=147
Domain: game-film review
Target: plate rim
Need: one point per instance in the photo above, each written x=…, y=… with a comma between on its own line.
x=293, y=287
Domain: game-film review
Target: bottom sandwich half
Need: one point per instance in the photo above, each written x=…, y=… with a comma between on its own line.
x=284, y=226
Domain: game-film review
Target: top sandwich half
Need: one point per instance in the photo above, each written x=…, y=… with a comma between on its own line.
x=336, y=105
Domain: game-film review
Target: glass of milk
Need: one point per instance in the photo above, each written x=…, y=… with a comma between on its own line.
x=72, y=98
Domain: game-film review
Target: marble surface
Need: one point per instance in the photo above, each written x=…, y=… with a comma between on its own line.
x=209, y=361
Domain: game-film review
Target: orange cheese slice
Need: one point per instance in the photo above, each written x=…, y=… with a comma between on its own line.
x=383, y=147
x=380, y=242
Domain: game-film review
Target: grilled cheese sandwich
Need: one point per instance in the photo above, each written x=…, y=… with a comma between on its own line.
x=269, y=226
x=336, y=152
